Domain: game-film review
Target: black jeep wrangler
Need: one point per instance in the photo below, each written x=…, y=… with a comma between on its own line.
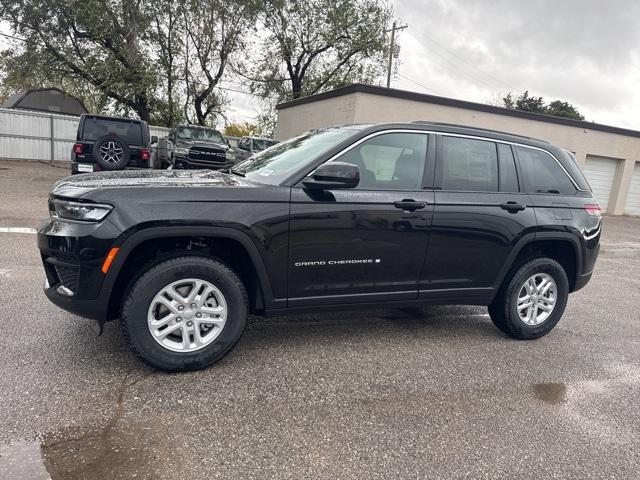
x=110, y=143
x=391, y=215
x=191, y=146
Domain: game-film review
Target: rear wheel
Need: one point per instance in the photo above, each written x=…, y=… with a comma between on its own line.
x=531, y=300
x=184, y=314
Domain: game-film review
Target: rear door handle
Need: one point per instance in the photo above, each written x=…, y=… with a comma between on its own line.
x=512, y=207
x=409, y=205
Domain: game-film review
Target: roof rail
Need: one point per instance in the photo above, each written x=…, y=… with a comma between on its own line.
x=444, y=124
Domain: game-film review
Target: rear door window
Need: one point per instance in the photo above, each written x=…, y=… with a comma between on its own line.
x=95, y=128
x=542, y=173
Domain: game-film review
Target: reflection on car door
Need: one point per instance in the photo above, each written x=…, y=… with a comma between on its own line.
x=479, y=215
x=368, y=243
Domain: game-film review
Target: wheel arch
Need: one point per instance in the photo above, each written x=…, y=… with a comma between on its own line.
x=226, y=241
x=563, y=247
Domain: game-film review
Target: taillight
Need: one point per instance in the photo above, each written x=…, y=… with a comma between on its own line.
x=593, y=209
x=144, y=155
x=78, y=148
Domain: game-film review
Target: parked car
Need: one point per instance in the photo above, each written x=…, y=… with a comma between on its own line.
x=111, y=143
x=248, y=146
x=391, y=215
x=190, y=146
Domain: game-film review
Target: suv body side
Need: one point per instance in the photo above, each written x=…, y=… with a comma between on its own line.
x=83, y=155
x=455, y=247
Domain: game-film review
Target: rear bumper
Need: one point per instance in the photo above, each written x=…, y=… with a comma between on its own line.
x=96, y=167
x=581, y=281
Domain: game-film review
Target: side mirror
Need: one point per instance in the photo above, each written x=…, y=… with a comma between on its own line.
x=154, y=139
x=333, y=175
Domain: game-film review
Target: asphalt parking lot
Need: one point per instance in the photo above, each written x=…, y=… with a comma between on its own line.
x=433, y=393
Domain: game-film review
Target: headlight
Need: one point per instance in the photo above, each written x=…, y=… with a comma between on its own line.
x=182, y=151
x=80, y=212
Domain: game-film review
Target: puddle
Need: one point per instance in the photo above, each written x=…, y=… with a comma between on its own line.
x=552, y=393
x=148, y=448
x=22, y=461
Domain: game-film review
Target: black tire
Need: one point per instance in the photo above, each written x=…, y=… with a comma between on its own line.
x=139, y=297
x=503, y=310
x=111, y=162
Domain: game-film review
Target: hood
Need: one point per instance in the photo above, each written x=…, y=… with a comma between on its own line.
x=79, y=185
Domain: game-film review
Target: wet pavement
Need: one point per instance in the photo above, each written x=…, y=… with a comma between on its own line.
x=431, y=393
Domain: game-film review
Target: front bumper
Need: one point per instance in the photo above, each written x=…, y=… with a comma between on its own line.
x=72, y=255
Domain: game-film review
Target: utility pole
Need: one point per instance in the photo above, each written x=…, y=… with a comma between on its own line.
x=391, y=49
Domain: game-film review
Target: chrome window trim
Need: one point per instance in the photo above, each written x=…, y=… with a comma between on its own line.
x=447, y=134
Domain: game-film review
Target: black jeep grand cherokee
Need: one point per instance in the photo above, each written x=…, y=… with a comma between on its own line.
x=347, y=217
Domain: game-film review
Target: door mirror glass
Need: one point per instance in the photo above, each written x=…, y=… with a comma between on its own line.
x=333, y=175
x=154, y=139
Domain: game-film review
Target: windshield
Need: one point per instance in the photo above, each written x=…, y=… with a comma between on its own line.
x=201, y=134
x=278, y=162
x=262, y=144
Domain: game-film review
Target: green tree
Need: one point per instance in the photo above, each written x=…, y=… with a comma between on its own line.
x=160, y=59
x=244, y=129
x=316, y=45
x=527, y=103
x=94, y=42
x=558, y=108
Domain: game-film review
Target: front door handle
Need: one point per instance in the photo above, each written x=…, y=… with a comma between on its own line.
x=512, y=207
x=409, y=205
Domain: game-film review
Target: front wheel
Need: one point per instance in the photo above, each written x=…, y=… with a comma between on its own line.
x=184, y=314
x=531, y=300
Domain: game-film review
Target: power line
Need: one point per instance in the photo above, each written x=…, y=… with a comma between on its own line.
x=407, y=79
x=12, y=37
x=489, y=81
x=469, y=64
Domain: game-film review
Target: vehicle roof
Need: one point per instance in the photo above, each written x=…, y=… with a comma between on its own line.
x=185, y=125
x=109, y=117
x=457, y=129
x=261, y=138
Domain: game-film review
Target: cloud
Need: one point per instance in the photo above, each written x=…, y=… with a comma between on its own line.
x=584, y=52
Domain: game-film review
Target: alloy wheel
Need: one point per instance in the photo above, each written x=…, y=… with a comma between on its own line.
x=111, y=152
x=187, y=315
x=537, y=299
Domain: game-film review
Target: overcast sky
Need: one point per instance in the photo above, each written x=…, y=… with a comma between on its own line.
x=586, y=52
x=583, y=51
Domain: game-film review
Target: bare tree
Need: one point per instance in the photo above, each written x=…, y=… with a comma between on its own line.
x=315, y=45
x=215, y=30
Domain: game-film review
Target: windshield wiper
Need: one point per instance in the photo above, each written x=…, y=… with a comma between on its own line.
x=235, y=172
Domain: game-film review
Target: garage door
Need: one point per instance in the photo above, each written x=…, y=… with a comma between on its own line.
x=633, y=198
x=600, y=173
